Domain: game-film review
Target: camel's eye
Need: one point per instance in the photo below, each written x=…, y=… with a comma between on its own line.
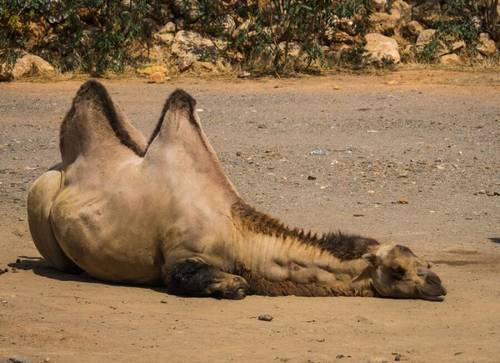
x=398, y=272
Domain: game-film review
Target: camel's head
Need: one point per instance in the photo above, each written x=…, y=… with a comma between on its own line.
x=396, y=272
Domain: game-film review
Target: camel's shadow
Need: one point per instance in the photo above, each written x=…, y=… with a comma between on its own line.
x=42, y=268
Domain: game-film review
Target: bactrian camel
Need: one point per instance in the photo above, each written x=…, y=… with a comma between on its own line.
x=162, y=211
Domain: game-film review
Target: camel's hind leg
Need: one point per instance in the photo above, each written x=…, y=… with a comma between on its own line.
x=197, y=278
x=40, y=199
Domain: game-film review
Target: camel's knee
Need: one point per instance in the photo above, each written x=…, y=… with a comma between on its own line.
x=196, y=278
x=40, y=199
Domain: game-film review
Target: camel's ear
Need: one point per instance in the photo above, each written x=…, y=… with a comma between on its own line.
x=178, y=112
x=94, y=122
x=370, y=258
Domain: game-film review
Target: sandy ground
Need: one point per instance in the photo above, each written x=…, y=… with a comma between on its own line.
x=428, y=138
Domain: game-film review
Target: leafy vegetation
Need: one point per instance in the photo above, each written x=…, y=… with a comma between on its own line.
x=89, y=35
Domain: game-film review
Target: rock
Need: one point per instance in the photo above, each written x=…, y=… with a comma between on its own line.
x=413, y=29
x=165, y=38
x=402, y=200
x=401, y=10
x=457, y=46
x=319, y=152
x=226, y=25
x=450, y=59
x=381, y=48
x=168, y=28
x=265, y=317
x=189, y=47
x=486, y=45
x=383, y=22
x=244, y=74
x=294, y=50
x=310, y=177
x=154, y=73
x=425, y=37
x=338, y=36
x=189, y=9
x=157, y=77
x=31, y=65
x=426, y=10
x=379, y=5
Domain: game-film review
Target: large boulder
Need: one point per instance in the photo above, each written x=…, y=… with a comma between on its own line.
x=30, y=65
x=486, y=45
x=190, y=47
x=380, y=48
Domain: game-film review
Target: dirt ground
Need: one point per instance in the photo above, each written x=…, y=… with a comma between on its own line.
x=409, y=157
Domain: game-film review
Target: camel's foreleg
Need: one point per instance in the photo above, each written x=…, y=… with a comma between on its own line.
x=194, y=277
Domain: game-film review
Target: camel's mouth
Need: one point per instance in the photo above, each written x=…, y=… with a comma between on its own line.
x=433, y=297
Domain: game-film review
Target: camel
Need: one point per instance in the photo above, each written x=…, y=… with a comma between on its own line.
x=163, y=211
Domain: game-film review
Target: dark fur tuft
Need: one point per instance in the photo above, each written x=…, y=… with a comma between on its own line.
x=342, y=246
x=179, y=99
x=94, y=91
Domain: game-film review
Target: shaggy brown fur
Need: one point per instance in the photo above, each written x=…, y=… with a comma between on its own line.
x=262, y=286
x=95, y=91
x=342, y=246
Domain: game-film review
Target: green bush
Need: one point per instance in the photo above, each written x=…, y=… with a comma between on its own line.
x=89, y=35
x=275, y=26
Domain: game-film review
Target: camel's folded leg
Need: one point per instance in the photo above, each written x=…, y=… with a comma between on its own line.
x=40, y=199
x=196, y=278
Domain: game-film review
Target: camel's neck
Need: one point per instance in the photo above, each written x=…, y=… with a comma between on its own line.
x=279, y=261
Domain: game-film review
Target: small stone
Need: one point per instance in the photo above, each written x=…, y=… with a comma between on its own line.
x=310, y=177
x=244, y=74
x=265, y=317
x=425, y=37
x=163, y=301
x=157, y=77
x=486, y=45
x=450, y=59
x=402, y=200
x=319, y=152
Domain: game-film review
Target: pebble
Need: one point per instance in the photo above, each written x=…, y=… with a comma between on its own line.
x=310, y=177
x=244, y=74
x=265, y=317
x=319, y=152
x=402, y=200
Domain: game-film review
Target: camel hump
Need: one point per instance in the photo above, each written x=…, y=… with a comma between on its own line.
x=179, y=107
x=95, y=124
